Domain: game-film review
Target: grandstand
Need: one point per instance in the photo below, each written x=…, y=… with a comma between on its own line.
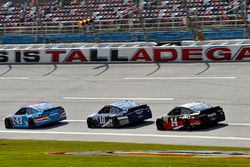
x=122, y=20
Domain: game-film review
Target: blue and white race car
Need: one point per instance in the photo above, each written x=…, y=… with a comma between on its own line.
x=35, y=115
x=120, y=113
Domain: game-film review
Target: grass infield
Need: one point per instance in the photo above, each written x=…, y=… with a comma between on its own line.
x=30, y=153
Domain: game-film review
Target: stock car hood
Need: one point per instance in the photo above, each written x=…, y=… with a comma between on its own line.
x=93, y=115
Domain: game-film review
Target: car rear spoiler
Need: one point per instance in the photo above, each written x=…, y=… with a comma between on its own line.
x=139, y=107
x=48, y=110
x=211, y=110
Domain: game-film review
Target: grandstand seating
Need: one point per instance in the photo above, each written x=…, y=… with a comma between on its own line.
x=162, y=13
x=75, y=10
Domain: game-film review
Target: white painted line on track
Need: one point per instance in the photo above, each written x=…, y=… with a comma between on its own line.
x=176, y=78
x=120, y=98
x=239, y=124
x=68, y=120
x=13, y=78
x=233, y=124
x=126, y=134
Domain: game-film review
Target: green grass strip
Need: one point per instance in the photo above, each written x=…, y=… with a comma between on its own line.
x=32, y=153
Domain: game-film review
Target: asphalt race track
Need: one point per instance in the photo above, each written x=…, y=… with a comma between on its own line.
x=84, y=89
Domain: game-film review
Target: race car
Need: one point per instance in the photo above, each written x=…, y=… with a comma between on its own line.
x=190, y=115
x=35, y=115
x=119, y=113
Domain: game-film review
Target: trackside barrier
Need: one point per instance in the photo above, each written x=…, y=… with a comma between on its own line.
x=134, y=54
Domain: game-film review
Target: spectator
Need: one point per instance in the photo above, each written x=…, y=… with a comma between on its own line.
x=8, y=18
x=206, y=3
x=22, y=15
x=33, y=11
x=55, y=3
x=27, y=3
x=11, y=9
x=33, y=2
x=83, y=3
x=8, y=4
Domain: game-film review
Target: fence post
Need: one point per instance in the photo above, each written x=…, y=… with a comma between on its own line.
x=244, y=16
x=190, y=25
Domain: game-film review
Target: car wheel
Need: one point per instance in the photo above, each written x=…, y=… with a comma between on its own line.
x=91, y=123
x=159, y=124
x=187, y=125
x=8, y=123
x=115, y=122
x=31, y=124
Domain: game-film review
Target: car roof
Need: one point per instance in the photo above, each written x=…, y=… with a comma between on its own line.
x=196, y=106
x=124, y=104
x=41, y=106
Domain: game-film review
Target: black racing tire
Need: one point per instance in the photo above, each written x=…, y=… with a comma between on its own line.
x=31, y=124
x=91, y=123
x=187, y=125
x=115, y=122
x=159, y=124
x=8, y=123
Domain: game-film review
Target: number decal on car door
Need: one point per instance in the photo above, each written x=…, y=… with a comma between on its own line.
x=174, y=121
x=102, y=119
x=18, y=120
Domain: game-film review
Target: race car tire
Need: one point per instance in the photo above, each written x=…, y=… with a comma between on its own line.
x=31, y=124
x=159, y=124
x=115, y=122
x=91, y=123
x=8, y=123
x=187, y=125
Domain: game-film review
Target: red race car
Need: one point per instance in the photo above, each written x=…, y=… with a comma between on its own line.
x=190, y=115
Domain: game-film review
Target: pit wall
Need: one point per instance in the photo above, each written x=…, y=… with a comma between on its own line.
x=230, y=53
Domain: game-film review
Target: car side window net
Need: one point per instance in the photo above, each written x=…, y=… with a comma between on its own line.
x=186, y=111
x=114, y=110
x=105, y=110
x=177, y=111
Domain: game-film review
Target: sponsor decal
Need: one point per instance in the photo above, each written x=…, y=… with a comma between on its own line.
x=195, y=122
x=41, y=119
x=139, y=112
x=63, y=114
x=211, y=115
